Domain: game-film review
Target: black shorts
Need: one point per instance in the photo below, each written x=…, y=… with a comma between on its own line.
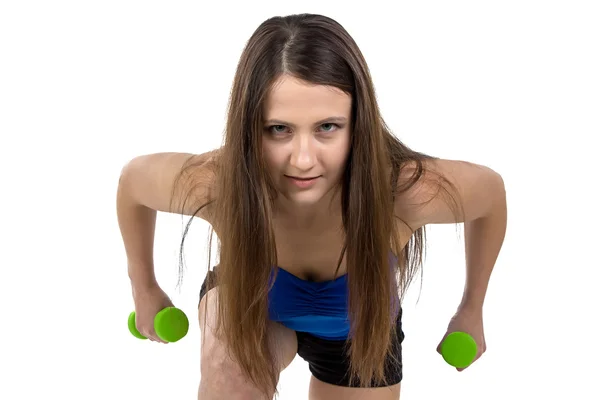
x=327, y=359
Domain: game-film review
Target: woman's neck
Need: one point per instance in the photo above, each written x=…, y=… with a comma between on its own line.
x=324, y=215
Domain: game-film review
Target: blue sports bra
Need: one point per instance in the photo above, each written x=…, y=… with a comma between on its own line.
x=319, y=308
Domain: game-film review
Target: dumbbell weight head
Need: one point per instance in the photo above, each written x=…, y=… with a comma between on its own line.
x=459, y=349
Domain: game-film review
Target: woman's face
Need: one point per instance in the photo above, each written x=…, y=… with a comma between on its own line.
x=306, y=135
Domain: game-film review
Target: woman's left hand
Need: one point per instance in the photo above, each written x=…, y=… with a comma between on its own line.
x=468, y=320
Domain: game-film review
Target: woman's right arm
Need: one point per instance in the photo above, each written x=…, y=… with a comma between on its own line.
x=146, y=185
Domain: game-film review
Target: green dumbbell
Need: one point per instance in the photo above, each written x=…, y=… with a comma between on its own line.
x=171, y=324
x=459, y=349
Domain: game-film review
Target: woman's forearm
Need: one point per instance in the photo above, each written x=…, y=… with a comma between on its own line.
x=137, y=225
x=483, y=240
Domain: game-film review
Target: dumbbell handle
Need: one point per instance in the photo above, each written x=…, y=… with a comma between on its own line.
x=171, y=324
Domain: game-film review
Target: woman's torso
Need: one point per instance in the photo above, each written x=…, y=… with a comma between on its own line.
x=307, y=294
x=312, y=253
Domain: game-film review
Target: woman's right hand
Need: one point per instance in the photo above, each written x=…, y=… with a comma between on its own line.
x=149, y=300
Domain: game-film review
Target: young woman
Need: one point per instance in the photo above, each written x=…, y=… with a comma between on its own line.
x=320, y=214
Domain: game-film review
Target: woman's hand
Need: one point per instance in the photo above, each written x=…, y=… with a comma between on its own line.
x=468, y=320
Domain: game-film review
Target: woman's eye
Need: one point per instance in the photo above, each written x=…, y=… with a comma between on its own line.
x=329, y=124
x=278, y=126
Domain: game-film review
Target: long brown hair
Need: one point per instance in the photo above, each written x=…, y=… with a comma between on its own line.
x=315, y=49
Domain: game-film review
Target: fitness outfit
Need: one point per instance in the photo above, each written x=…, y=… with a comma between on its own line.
x=317, y=312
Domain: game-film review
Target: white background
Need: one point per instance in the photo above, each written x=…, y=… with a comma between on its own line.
x=86, y=86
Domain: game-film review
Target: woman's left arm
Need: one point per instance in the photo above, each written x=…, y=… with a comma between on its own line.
x=481, y=199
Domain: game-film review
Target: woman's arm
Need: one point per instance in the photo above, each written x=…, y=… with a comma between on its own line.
x=148, y=184
x=481, y=199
